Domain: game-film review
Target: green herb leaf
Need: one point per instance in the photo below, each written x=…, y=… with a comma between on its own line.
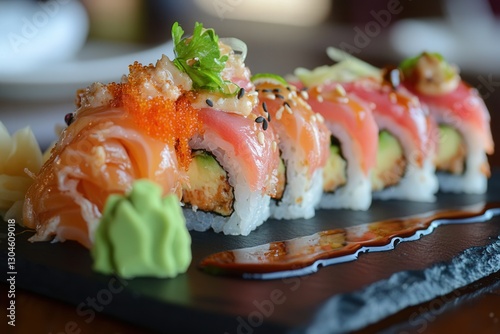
x=409, y=64
x=199, y=56
x=269, y=77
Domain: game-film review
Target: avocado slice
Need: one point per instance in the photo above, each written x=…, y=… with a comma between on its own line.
x=391, y=163
x=335, y=170
x=280, y=187
x=451, y=151
x=208, y=188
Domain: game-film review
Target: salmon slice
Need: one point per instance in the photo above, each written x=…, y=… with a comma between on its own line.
x=253, y=148
x=101, y=153
x=401, y=114
x=463, y=166
x=346, y=111
x=303, y=144
x=397, y=110
x=463, y=105
x=296, y=123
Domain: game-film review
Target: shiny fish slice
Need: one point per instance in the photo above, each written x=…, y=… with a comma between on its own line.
x=101, y=153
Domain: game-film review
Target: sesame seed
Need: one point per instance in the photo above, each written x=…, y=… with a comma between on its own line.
x=343, y=100
x=320, y=118
x=209, y=102
x=267, y=90
x=313, y=118
x=241, y=92
x=320, y=98
x=287, y=107
x=265, y=124
x=261, y=137
x=303, y=103
x=264, y=106
x=304, y=94
x=270, y=96
x=279, y=96
x=268, y=117
x=340, y=90
x=288, y=88
x=252, y=96
x=68, y=118
x=274, y=146
x=259, y=119
x=279, y=113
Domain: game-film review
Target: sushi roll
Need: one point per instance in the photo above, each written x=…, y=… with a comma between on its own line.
x=463, y=121
x=303, y=146
x=353, y=147
x=155, y=124
x=113, y=139
x=233, y=174
x=404, y=166
x=234, y=168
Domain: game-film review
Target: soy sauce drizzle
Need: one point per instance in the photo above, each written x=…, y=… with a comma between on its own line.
x=304, y=255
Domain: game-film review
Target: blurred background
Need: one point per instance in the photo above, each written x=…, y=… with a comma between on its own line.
x=48, y=49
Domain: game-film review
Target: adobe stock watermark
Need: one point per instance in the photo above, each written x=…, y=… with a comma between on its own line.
x=31, y=26
x=87, y=309
x=420, y=319
x=11, y=272
x=487, y=86
x=263, y=309
x=221, y=7
x=381, y=20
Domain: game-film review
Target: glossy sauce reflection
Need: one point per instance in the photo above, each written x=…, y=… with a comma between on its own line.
x=304, y=255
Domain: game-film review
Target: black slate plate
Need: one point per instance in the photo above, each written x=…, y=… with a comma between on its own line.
x=338, y=298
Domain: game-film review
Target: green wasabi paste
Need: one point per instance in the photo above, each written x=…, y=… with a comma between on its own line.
x=142, y=234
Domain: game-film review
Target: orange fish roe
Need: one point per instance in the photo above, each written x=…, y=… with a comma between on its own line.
x=186, y=125
x=116, y=90
x=173, y=122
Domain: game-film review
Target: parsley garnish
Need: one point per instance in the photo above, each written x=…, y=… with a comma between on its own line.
x=199, y=56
